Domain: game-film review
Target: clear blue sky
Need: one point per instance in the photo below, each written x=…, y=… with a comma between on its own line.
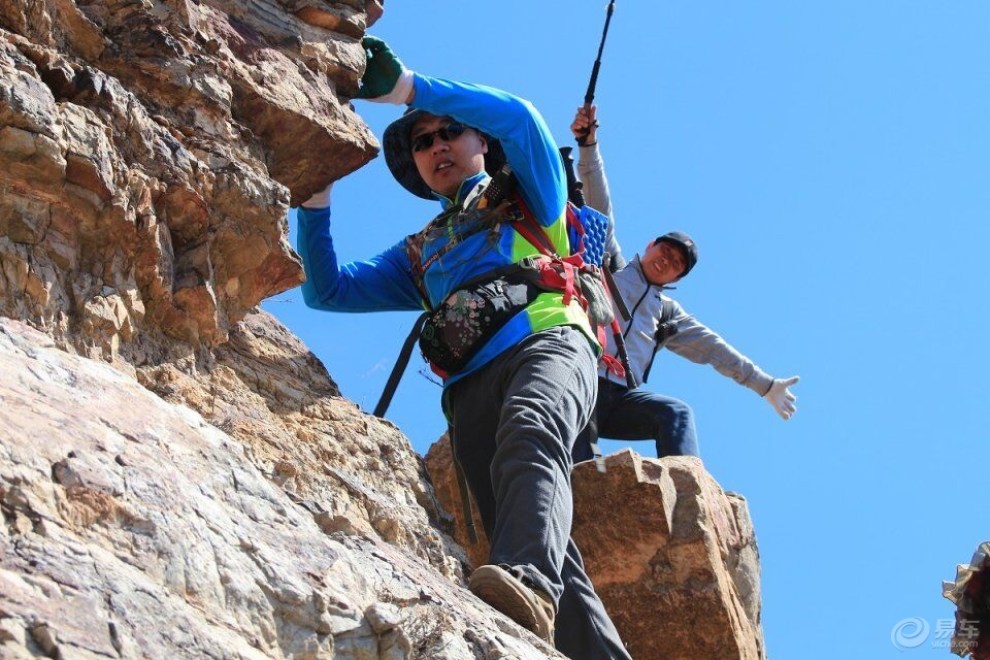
x=832, y=159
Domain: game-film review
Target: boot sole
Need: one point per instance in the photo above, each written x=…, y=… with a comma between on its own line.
x=515, y=600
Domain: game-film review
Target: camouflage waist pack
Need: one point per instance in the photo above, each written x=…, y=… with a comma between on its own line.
x=468, y=318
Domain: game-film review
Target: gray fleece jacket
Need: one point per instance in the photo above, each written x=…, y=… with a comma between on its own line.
x=692, y=340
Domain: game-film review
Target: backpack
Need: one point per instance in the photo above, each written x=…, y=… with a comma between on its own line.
x=575, y=274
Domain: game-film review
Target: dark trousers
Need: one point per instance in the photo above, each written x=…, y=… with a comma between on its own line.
x=638, y=414
x=514, y=423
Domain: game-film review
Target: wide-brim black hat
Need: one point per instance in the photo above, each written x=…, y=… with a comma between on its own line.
x=398, y=154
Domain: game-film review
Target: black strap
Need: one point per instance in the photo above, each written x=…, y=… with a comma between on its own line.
x=400, y=366
x=613, y=288
x=462, y=486
x=511, y=272
x=665, y=330
x=462, y=483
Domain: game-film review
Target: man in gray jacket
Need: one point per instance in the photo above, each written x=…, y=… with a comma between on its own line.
x=657, y=321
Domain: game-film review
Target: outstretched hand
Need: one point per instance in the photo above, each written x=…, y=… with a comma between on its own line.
x=585, y=125
x=781, y=398
x=320, y=199
x=385, y=79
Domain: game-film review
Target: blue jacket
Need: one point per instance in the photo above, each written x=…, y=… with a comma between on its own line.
x=385, y=282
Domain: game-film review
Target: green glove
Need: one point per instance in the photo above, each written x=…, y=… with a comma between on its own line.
x=385, y=78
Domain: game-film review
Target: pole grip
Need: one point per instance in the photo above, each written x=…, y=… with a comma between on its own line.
x=589, y=96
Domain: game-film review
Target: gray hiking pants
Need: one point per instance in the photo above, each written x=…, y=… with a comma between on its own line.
x=514, y=423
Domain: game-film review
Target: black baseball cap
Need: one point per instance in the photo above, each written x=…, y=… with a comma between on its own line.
x=686, y=243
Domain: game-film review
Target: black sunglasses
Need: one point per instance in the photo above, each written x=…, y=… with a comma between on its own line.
x=445, y=133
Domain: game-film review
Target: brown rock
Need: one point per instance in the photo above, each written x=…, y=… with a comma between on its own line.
x=440, y=466
x=156, y=149
x=672, y=556
x=660, y=536
x=135, y=527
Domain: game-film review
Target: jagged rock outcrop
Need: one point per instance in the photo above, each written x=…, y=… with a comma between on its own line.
x=661, y=536
x=135, y=527
x=148, y=155
x=970, y=593
x=673, y=556
x=179, y=476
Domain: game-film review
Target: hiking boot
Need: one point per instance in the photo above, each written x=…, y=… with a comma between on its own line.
x=530, y=608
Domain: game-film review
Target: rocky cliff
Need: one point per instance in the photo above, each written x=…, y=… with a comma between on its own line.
x=672, y=555
x=179, y=476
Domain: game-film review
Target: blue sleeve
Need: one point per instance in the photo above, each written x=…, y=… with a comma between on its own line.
x=529, y=146
x=382, y=283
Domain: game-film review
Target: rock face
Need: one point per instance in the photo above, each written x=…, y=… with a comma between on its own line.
x=148, y=155
x=672, y=556
x=135, y=527
x=179, y=476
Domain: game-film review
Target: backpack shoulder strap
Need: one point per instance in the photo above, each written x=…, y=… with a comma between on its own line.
x=503, y=188
x=667, y=312
x=665, y=330
x=414, y=254
x=400, y=366
x=532, y=231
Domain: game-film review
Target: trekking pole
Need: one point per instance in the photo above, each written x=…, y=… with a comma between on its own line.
x=589, y=96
